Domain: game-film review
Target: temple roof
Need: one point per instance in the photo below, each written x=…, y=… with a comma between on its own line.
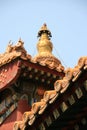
x=44, y=60
x=60, y=87
x=44, y=56
x=41, y=65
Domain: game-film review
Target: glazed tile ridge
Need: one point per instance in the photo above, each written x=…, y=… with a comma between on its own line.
x=18, y=51
x=13, y=52
x=60, y=86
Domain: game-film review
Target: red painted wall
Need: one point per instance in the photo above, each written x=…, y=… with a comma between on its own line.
x=15, y=116
x=8, y=123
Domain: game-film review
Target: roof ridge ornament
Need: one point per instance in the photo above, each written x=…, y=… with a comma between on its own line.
x=14, y=51
x=20, y=42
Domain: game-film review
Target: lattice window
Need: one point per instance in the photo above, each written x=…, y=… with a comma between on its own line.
x=7, y=106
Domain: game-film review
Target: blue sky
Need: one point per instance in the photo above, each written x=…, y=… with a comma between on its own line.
x=66, y=19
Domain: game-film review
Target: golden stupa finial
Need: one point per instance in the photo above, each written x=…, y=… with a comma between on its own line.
x=44, y=48
x=44, y=29
x=44, y=45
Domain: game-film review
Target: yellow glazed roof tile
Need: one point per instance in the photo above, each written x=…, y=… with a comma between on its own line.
x=60, y=86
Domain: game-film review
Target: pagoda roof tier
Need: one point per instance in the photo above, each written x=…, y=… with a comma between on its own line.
x=68, y=93
x=16, y=62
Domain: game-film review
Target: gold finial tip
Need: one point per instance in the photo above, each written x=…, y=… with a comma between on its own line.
x=45, y=25
x=44, y=29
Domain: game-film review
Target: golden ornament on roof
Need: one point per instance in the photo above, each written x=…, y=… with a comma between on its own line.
x=45, y=47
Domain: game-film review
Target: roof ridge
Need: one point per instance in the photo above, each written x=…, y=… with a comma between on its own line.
x=12, y=52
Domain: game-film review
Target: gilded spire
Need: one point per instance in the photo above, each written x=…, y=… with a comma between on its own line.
x=44, y=45
x=44, y=29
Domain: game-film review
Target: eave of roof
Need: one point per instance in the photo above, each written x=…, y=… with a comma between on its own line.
x=18, y=64
x=18, y=55
x=60, y=87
